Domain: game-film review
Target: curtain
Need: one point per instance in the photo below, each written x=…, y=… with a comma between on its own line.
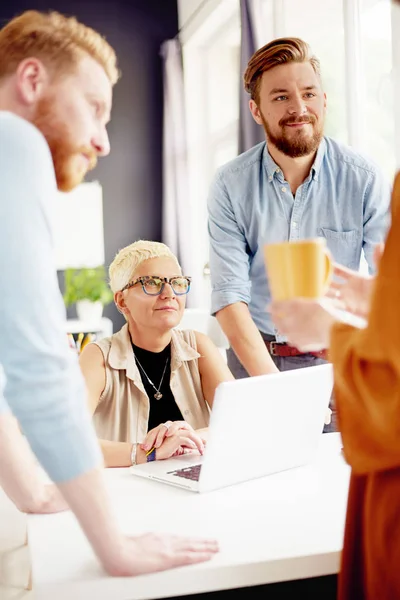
x=250, y=133
x=176, y=221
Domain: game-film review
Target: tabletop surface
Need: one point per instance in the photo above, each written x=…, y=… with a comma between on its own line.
x=277, y=528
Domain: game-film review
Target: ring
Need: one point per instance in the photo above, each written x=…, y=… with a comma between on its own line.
x=167, y=425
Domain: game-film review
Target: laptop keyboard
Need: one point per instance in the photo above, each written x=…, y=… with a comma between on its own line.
x=192, y=473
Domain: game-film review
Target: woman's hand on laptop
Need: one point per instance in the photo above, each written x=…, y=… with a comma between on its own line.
x=172, y=438
x=175, y=446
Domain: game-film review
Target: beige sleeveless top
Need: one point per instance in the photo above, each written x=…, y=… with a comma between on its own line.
x=123, y=411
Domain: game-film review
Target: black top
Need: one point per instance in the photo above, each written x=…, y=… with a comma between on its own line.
x=153, y=363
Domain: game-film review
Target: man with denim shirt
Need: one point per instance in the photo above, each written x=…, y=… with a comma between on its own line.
x=299, y=184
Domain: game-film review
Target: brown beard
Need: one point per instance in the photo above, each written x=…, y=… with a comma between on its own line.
x=63, y=150
x=297, y=145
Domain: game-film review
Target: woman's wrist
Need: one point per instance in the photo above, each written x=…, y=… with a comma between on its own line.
x=140, y=455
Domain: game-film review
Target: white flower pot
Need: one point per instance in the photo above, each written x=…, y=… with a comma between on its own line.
x=89, y=312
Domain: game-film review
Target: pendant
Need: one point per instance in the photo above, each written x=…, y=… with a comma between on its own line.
x=157, y=396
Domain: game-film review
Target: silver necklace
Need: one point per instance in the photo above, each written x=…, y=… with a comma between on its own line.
x=158, y=395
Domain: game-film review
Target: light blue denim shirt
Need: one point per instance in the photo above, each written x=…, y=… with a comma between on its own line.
x=344, y=199
x=40, y=378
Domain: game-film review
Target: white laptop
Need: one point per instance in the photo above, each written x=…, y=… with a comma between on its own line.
x=258, y=426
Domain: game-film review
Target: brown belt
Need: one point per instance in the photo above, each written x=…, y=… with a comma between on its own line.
x=282, y=349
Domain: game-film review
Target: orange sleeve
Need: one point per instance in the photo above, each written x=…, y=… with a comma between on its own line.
x=367, y=368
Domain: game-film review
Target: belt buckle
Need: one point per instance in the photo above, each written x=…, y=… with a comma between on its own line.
x=272, y=348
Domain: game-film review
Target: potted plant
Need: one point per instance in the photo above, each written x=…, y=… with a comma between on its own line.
x=88, y=289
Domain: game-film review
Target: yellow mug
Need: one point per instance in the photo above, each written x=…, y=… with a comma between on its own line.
x=298, y=269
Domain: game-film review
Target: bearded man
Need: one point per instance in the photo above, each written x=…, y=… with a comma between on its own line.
x=298, y=184
x=56, y=84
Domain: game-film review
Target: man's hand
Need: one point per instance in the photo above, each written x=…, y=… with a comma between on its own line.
x=245, y=339
x=150, y=553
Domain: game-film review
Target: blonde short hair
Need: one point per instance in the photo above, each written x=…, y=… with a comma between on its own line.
x=128, y=259
x=58, y=41
x=278, y=52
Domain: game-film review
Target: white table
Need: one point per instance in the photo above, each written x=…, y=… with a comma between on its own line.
x=283, y=527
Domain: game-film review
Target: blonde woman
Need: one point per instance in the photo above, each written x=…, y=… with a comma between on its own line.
x=151, y=386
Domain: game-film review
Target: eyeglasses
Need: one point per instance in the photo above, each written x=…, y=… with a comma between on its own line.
x=153, y=285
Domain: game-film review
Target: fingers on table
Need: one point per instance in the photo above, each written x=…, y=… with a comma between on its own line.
x=192, y=550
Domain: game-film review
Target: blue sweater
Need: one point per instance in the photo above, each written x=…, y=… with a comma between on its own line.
x=40, y=378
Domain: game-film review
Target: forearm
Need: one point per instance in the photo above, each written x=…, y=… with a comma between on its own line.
x=376, y=218
x=20, y=477
x=245, y=339
x=88, y=499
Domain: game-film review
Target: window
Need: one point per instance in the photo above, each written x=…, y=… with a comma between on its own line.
x=376, y=40
x=371, y=37
x=212, y=79
x=326, y=38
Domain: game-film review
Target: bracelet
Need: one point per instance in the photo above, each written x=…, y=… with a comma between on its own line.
x=151, y=455
x=133, y=454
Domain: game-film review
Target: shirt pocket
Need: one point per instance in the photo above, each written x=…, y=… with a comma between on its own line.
x=344, y=246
